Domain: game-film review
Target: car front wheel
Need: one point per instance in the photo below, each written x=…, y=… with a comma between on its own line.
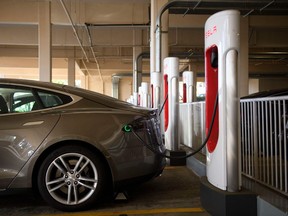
x=71, y=178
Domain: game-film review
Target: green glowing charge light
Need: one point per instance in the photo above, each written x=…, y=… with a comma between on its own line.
x=127, y=128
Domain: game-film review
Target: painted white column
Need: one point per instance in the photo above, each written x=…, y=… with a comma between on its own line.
x=161, y=35
x=115, y=87
x=44, y=41
x=165, y=28
x=152, y=36
x=84, y=81
x=171, y=108
x=154, y=76
x=71, y=71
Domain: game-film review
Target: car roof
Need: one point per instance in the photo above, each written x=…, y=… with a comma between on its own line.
x=87, y=94
x=34, y=83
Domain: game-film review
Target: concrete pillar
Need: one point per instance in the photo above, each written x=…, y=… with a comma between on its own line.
x=115, y=87
x=154, y=76
x=84, y=81
x=153, y=13
x=161, y=49
x=71, y=71
x=87, y=78
x=44, y=41
x=165, y=28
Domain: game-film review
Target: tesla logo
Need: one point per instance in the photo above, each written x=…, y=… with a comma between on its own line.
x=165, y=67
x=211, y=31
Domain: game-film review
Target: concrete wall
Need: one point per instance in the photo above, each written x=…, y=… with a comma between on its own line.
x=273, y=83
x=253, y=86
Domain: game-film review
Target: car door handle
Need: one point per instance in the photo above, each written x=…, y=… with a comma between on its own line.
x=33, y=123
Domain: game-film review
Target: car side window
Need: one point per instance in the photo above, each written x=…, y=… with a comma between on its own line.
x=52, y=99
x=21, y=99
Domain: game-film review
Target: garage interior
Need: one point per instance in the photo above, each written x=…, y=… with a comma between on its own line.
x=95, y=44
x=103, y=38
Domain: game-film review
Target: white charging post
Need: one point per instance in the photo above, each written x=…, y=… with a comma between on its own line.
x=155, y=89
x=144, y=94
x=187, y=86
x=135, y=98
x=222, y=45
x=171, y=107
x=187, y=108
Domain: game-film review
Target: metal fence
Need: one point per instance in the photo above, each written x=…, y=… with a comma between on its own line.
x=264, y=133
x=192, y=124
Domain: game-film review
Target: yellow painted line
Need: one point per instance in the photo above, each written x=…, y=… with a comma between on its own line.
x=171, y=167
x=131, y=212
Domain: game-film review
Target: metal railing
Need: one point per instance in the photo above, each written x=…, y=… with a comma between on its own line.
x=264, y=133
x=264, y=138
x=192, y=124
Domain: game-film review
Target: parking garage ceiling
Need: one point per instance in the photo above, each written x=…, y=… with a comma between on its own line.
x=246, y=7
x=112, y=28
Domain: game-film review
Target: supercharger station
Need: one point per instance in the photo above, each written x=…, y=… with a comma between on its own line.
x=222, y=43
x=144, y=97
x=188, y=86
x=221, y=191
x=171, y=109
x=186, y=110
x=155, y=89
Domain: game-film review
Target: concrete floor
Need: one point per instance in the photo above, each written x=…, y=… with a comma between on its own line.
x=175, y=193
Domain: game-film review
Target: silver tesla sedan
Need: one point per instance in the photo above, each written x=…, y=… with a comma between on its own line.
x=73, y=145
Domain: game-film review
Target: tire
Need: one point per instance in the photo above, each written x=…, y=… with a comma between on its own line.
x=71, y=178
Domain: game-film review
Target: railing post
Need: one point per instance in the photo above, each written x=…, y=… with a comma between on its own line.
x=255, y=140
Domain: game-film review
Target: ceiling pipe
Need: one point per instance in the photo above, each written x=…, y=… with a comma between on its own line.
x=187, y=55
x=158, y=32
x=267, y=5
x=141, y=56
x=94, y=56
x=128, y=74
x=81, y=45
x=249, y=12
x=188, y=9
x=158, y=41
x=138, y=70
x=74, y=30
x=141, y=25
x=197, y=4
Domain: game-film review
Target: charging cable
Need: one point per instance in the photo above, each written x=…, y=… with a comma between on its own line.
x=192, y=153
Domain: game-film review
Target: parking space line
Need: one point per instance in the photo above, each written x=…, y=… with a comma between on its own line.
x=131, y=212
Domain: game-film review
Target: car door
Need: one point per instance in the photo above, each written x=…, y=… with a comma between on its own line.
x=22, y=130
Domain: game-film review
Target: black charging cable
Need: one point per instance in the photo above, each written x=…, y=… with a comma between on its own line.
x=163, y=104
x=192, y=153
